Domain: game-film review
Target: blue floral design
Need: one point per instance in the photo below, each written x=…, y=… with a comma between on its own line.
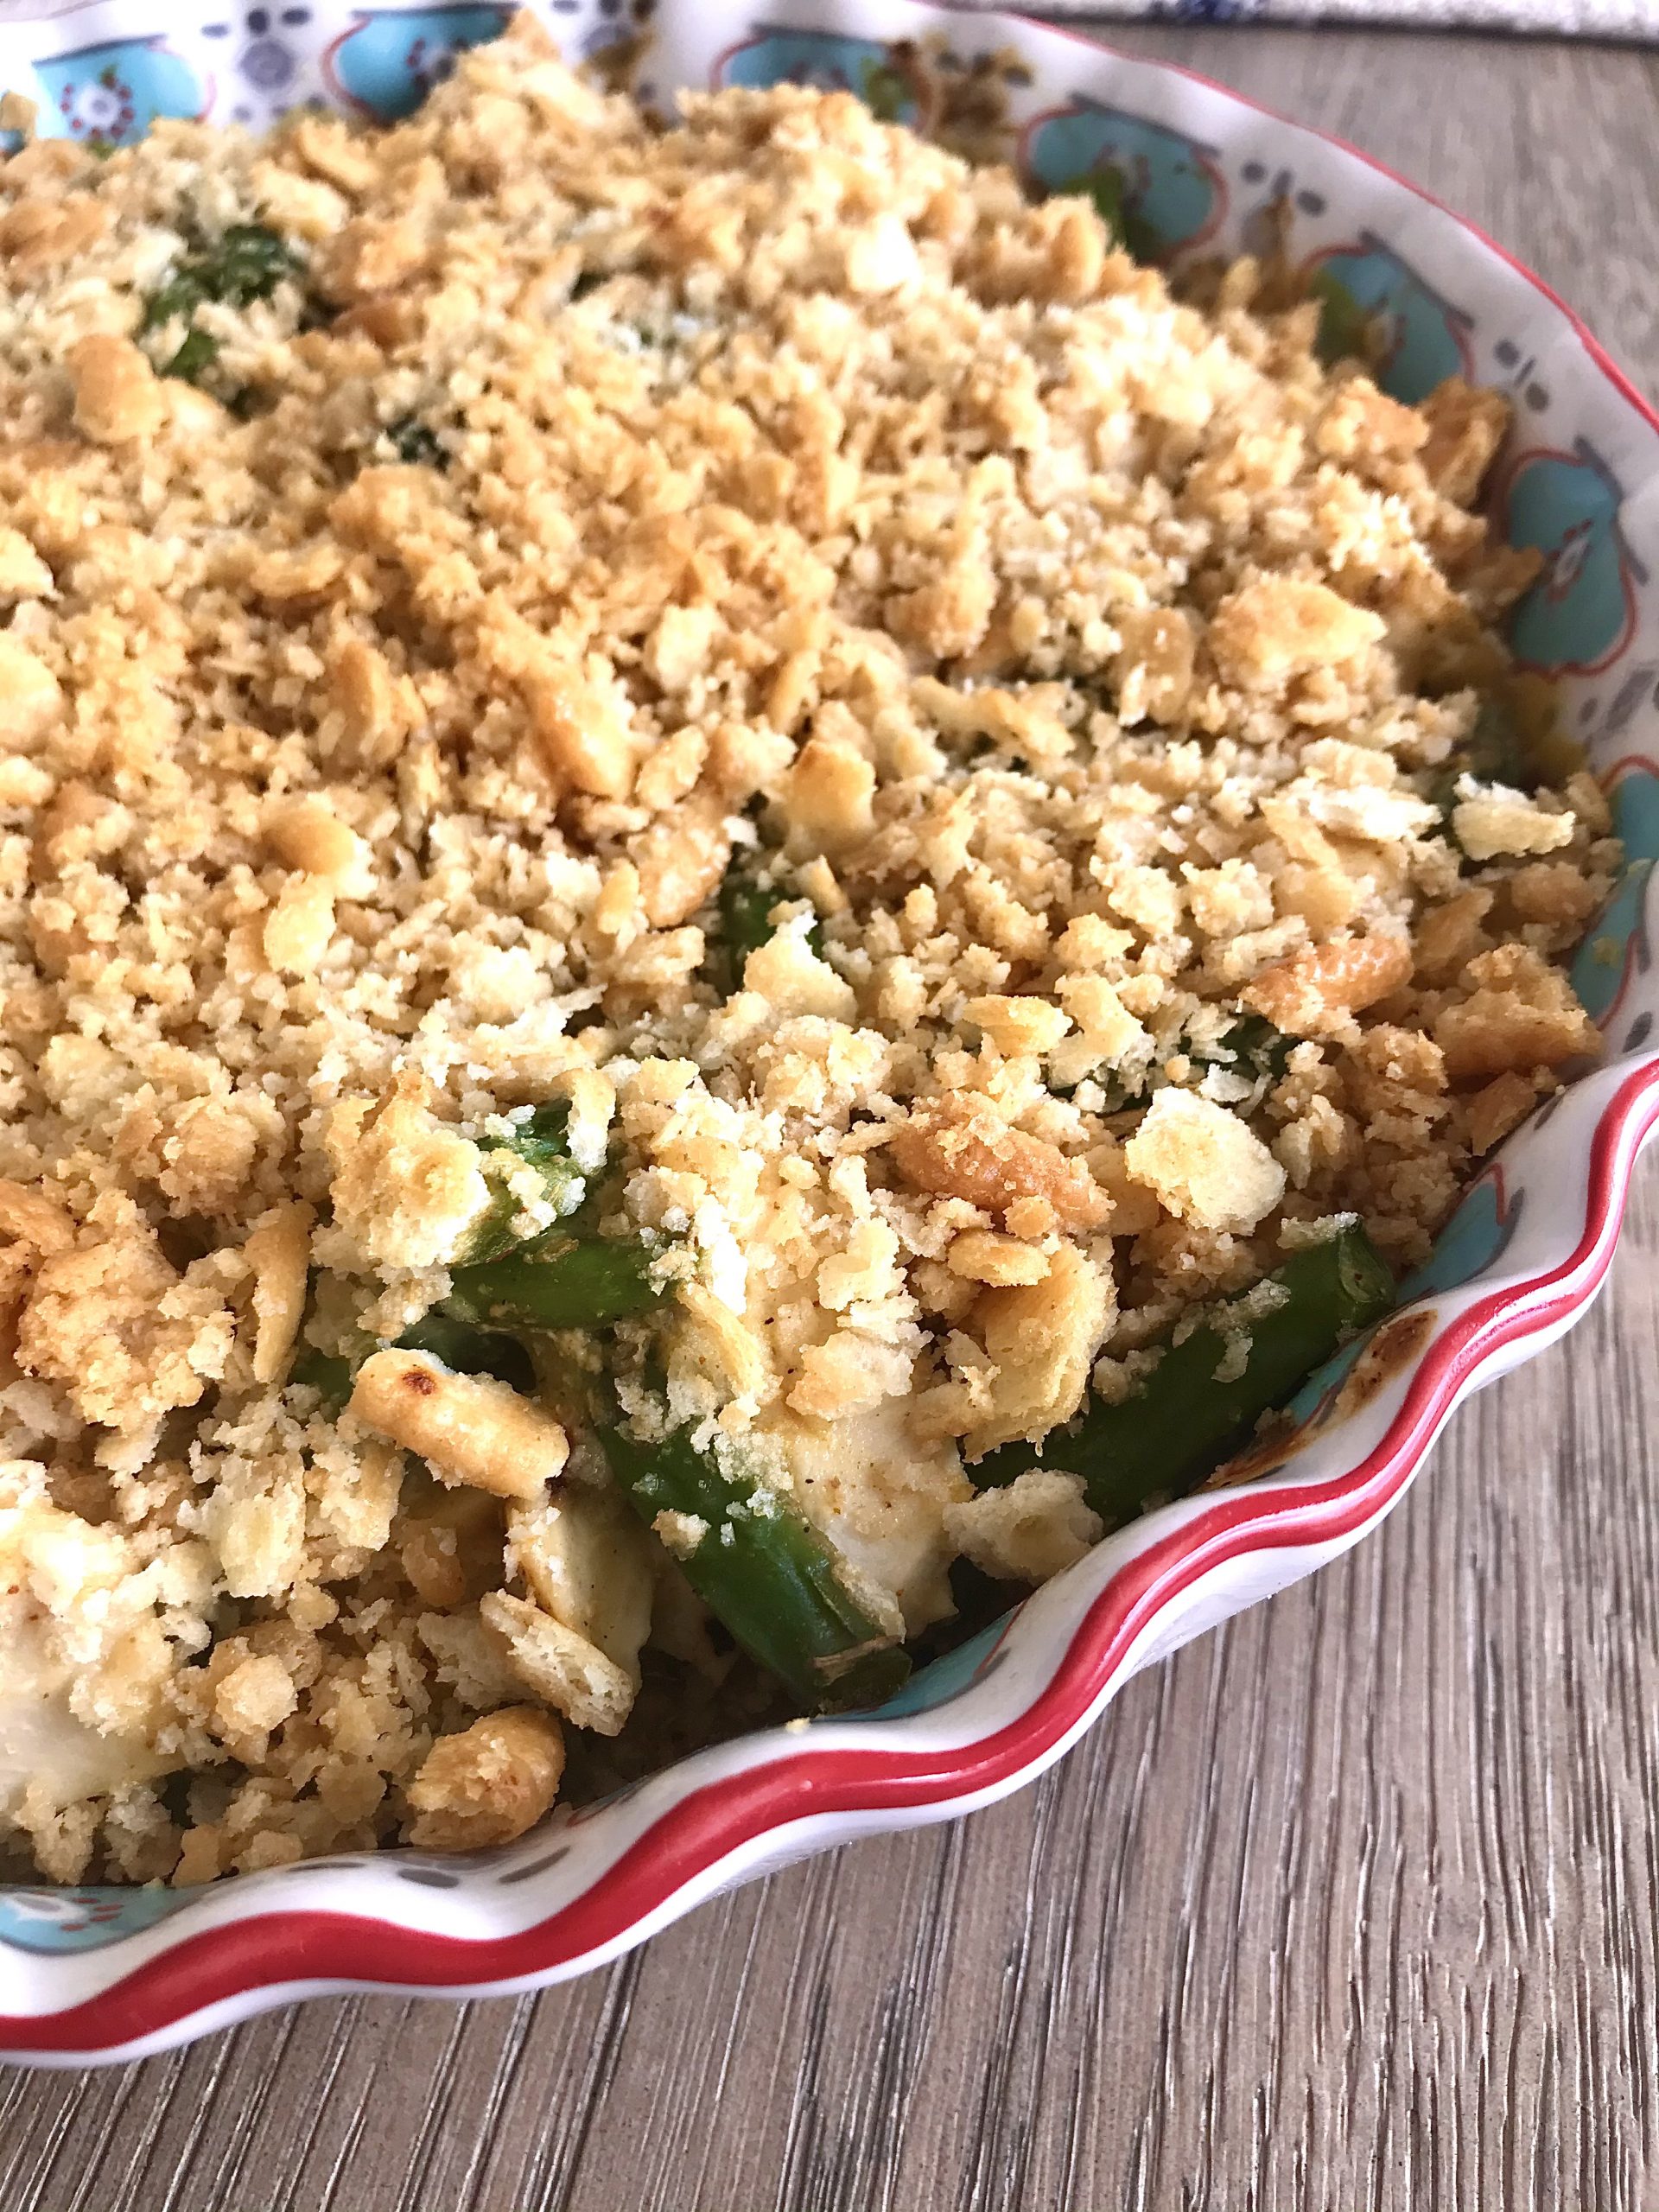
x=946, y=1678
x=1321, y=1386
x=1580, y=614
x=1473, y=1240
x=82, y=1920
x=1165, y=185
x=270, y=60
x=1620, y=936
x=1425, y=338
x=109, y=95
x=391, y=58
x=830, y=61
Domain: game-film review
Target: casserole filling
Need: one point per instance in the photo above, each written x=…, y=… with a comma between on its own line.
x=737, y=891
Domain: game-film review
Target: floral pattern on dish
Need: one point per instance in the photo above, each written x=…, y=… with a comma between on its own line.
x=387, y=61
x=108, y=95
x=1163, y=188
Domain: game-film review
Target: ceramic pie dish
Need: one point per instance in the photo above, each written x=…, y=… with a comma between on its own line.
x=106, y=1973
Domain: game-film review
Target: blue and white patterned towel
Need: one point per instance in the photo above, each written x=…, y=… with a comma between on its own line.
x=1602, y=19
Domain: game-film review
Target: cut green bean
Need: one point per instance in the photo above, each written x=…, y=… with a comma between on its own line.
x=1346, y=329
x=245, y=262
x=887, y=91
x=746, y=907
x=1109, y=190
x=417, y=443
x=1495, y=752
x=1183, y=1421
x=540, y=1144
x=745, y=902
x=1254, y=1048
x=563, y=1282
x=325, y=1372
x=196, y=352
x=463, y=1348
x=1249, y=1046
x=763, y=1569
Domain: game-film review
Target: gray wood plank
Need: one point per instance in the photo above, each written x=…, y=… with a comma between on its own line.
x=1353, y=1905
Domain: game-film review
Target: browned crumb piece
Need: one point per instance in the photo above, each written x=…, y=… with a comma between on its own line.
x=1264, y=633
x=1314, y=993
x=558, y=1667
x=1519, y=1015
x=468, y=1428
x=963, y=1150
x=487, y=1783
x=1465, y=429
x=1496, y=1109
x=1205, y=1165
x=1042, y=1339
x=120, y=1331
x=118, y=394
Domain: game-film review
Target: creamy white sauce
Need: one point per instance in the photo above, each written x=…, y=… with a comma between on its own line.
x=40, y=1739
x=879, y=1495
x=58, y=1578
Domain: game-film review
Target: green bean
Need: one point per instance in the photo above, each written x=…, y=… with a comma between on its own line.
x=762, y=1568
x=746, y=907
x=327, y=1373
x=1108, y=189
x=563, y=1278
x=245, y=262
x=1249, y=1046
x=745, y=903
x=560, y=1282
x=464, y=1349
x=559, y=1278
x=417, y=443
x=1253, y=1047
x=1181, y=1422
x=542, y=1144
x=196, y=351
x=1347, y=330
x=887, y=91
x=248, y=262
x=979, y=1599
x=1495, y=752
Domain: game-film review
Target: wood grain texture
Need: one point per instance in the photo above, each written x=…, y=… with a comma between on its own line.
x=1353, y=1905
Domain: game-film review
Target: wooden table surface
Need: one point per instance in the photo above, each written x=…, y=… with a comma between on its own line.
x=1353, y=1905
